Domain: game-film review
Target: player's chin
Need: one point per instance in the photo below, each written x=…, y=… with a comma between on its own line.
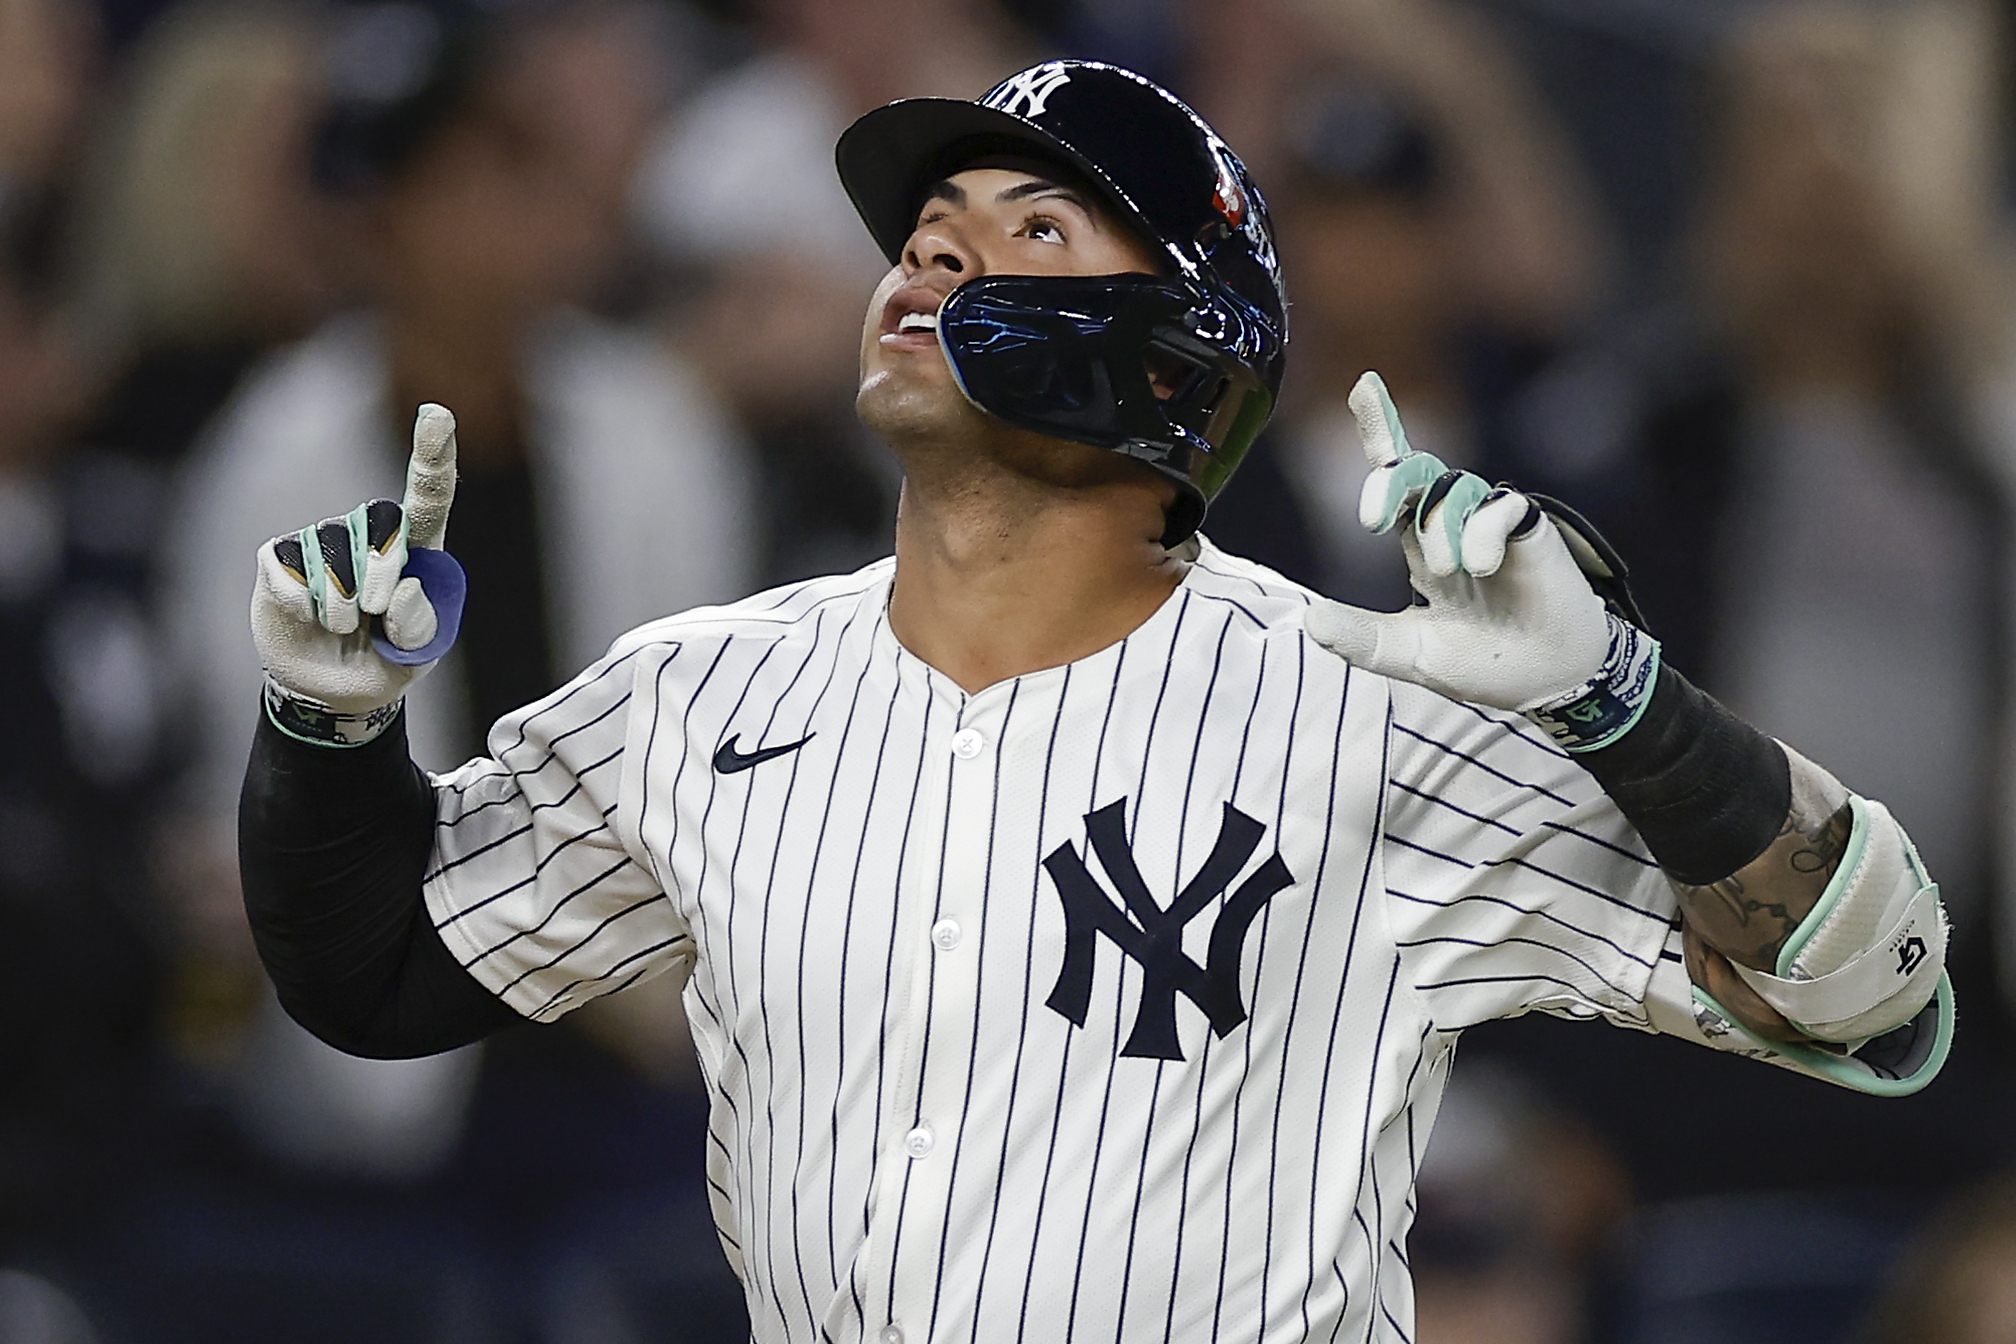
x=900, y=399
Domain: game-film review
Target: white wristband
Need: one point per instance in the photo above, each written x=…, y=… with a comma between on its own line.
x=1608, y=705
x=308, y=720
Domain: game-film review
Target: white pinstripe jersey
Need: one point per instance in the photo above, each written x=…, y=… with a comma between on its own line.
x=957, y=1093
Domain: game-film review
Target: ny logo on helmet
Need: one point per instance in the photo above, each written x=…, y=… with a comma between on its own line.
x=1027, y=93
x=1152, y=935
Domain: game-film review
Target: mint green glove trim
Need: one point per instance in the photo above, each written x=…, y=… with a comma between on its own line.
x=1393, y=425
x=1415, y=472
x=1466, y=492
x=1839, y=1069
x=313, y=570
x=359, y=523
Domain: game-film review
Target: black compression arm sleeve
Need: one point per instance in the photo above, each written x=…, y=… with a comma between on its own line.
x=332, y=844
x=1706, y=791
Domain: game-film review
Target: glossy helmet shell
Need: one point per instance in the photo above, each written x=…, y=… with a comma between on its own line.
x=1069, y=356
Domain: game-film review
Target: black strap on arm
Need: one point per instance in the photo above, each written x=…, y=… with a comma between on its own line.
x=1707, y=792
x=332, y=845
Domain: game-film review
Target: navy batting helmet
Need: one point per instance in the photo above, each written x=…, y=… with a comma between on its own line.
x=1070, y=356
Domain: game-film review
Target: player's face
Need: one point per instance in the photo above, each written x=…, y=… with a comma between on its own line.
x=983, y=221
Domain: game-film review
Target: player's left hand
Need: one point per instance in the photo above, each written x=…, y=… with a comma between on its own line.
x=1510, y=619
x=348, y=613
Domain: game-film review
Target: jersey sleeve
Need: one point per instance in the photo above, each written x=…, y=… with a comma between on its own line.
x=1514, y=884
x=538, y=882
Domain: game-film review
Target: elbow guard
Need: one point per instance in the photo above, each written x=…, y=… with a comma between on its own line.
x=1869, y=956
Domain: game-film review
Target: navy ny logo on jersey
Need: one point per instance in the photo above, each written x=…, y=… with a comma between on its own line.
x=1152, y=934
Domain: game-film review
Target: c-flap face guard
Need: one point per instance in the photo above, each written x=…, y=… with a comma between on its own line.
x=1071, y=357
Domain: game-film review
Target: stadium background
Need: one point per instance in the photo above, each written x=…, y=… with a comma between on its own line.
x=1733, y=276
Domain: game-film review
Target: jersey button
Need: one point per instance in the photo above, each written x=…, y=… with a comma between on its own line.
x=945, y=934
x=919, y=1141
x=966, y=743
x=890, y=1335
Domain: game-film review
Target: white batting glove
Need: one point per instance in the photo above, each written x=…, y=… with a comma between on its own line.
x=350, y=612
x=1509, y=620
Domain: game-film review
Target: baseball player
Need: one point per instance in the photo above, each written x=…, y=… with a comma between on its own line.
x=1077, y=922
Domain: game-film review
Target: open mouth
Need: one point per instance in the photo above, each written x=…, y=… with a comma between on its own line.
x=911, y=318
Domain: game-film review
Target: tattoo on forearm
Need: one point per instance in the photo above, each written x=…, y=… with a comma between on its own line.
x=1825, y=841
x=1748, y=915
x=1746, y=910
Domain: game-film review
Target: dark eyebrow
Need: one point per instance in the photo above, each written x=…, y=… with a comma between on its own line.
x=949, y=192
x=1022, y=191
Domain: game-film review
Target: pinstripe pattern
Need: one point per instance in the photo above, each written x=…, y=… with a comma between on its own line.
x=904, y=1132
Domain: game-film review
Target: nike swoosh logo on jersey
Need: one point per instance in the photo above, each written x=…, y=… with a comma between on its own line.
x=728, y=760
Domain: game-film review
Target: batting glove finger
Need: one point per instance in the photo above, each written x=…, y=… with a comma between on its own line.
x=1399, y=476
x=1380, y=432
x=430, y=478
x=378, y=541
x=349, y=565
x=410, y=619
x=1507, y=616
x=328, y=568
x=1504, y=516
x=282, y=582
x=1442, y=514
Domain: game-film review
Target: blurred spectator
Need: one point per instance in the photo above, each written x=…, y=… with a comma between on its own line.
x=46, y=52
x=487, y=160
x=200, y=240
x=1433, y=228
x=1957, y=1282
x=195, y=244
x=1813, y=524
x=35, y=1311
x=1856, y=501
x=1142, y=35
x=1790, y=1267
x=486, y=152
x=1783, y=451
x=1529, y=251
x=80, y=961
x=1517, y=1207
x=778, y=291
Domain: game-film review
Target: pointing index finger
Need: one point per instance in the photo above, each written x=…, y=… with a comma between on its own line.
x=430, y=477
x=1379, y=429
x=1399, y=474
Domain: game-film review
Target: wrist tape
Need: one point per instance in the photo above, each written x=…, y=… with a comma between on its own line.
x=1602, y=709
x=308, y=720
x=1867, y=958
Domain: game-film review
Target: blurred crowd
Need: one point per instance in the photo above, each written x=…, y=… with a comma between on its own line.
x=1736, y=279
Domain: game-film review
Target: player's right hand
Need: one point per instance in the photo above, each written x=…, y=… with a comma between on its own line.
x=321, y=590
